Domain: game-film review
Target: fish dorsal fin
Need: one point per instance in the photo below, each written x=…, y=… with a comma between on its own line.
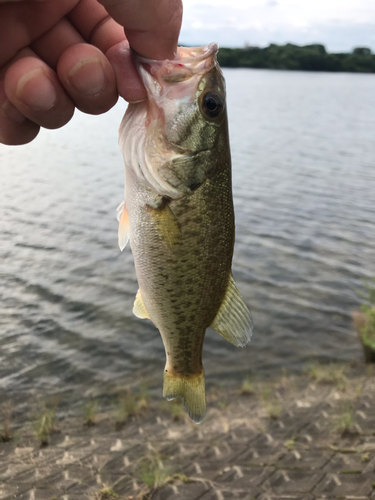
x=233, y=321
x=166, y=225
x=123, y=228
x=139, y=308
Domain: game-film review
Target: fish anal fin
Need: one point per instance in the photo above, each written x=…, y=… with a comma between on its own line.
x=191, y=388
x=139, y=309
x=166, y=225
x=233, y=321
x=123, y=228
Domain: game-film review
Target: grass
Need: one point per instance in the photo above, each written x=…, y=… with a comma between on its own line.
x=290, y=442
x=270, y=403
x=130, y=405
x=123, y=410
x=273, y=409
x=358, y=390
x=175, y=408
x=328, y=374
x=345, y=420
x=364, y=322
x=152, y=472
x=89, y=413
x=359, y=321
x=247, y=387
x=45, y=426
x=266, y=392
x=106, y=494
x=144, y=395
x=222, y=404
x=6, y=432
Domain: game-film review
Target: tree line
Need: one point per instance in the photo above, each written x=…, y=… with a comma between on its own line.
x=294, y=57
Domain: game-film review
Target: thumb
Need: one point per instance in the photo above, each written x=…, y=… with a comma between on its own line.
x=152, y=27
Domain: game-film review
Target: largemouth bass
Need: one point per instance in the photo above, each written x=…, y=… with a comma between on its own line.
x=178, y=215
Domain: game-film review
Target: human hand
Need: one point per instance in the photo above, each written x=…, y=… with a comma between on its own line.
x=56, y=55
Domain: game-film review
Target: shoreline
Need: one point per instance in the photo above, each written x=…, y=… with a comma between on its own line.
x=292, y=57
x=70, y=402
x=307, y=437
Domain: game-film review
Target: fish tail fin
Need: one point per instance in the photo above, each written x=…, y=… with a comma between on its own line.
x=192, y=389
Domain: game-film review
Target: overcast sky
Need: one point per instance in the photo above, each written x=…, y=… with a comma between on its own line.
x=340, y=25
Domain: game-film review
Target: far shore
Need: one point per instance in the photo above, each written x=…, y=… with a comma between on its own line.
x=313, y=57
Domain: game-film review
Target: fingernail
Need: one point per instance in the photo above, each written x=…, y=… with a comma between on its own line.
x=36, y=90
x=12, y=112
x=87, y=76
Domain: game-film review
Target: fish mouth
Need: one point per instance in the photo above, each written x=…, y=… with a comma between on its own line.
x=192, y=61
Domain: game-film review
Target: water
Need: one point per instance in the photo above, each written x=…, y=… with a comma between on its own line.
x=303, y=172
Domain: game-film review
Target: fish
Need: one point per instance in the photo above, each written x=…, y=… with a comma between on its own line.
x=178, y=215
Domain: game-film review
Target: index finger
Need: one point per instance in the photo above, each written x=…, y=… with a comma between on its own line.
x=102, y=31
x=152, y=27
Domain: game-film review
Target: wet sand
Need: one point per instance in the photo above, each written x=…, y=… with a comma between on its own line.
x=304, y=437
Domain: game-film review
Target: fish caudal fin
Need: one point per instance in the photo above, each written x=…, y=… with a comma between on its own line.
x=233, y=321
x=191, y=389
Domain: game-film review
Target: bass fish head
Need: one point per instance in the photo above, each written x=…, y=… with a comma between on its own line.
x=183, y=124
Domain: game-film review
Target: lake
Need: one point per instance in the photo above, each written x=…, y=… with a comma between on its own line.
x=303, y=149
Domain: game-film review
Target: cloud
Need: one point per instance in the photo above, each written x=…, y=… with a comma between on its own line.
x=257, y=24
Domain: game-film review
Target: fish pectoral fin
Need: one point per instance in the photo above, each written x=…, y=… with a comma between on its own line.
x=233, y=321
x=166, y=225
x=123, y=228
x=139, y=309
x=191, y=389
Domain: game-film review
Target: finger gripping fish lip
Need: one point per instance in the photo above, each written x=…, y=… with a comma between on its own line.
x=188, y=55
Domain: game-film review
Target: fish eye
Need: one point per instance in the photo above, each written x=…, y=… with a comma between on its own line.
x=211, y=105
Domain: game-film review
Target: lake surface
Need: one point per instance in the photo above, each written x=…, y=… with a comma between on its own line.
x=303, y=147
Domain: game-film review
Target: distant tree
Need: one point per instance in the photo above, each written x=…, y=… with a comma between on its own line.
x=313, y=57
x=317, y=47
x=362, y=51
x=359, y=63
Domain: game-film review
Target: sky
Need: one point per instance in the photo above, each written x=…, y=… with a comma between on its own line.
x=340, y=25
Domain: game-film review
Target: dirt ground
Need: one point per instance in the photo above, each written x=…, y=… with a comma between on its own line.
x=304, y=437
